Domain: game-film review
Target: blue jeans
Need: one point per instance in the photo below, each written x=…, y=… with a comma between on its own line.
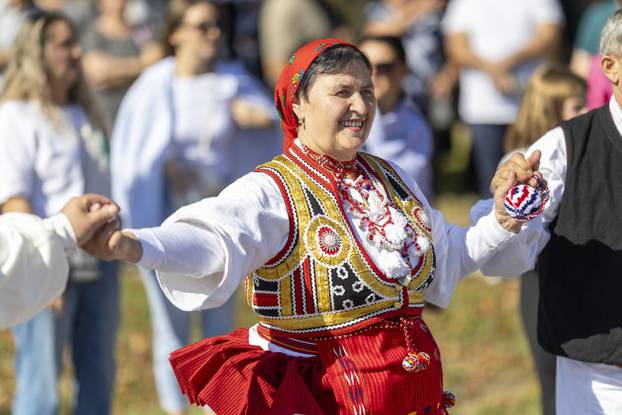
x=171, y=330
x=487, y=151
x=88, y=323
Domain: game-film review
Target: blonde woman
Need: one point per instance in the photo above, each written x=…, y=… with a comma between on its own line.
x=174, y=142
x=51, y=149
x=554, y=94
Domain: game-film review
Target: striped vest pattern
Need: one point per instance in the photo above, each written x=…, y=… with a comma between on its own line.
x=323, y=281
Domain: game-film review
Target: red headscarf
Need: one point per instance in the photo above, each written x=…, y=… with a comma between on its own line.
x=289, y=81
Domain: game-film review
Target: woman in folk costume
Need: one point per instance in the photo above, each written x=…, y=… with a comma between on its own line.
x=339, y=249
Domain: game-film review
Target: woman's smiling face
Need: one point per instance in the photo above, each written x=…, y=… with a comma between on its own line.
x=336, y=117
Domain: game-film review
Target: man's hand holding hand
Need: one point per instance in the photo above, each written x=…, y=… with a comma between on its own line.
x=88, y=213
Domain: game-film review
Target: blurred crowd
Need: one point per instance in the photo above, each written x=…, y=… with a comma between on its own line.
x=161, y=103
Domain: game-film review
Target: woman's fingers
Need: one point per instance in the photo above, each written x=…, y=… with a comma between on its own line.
x=99, y=245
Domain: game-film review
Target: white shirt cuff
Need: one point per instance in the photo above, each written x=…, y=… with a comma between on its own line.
x=152, y=249
x=493, y=234
x=61, y=226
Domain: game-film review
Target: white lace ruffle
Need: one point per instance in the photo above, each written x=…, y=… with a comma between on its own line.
x=400, y=247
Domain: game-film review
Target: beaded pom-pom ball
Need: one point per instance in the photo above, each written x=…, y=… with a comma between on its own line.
x=449, y=399
x=416, y=362
x=523, y=202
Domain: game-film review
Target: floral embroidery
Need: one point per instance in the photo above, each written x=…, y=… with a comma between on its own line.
x=323, y=269
x=321, y=46
x=386, y=226
x=342, y=273
x=296, y=80
x=339, y=290
x=422, y=218
x=358, y=286
x=328, y=240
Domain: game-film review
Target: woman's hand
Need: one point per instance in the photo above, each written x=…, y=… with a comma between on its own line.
x=114, y=244
x=89, y=213
x=516, y=170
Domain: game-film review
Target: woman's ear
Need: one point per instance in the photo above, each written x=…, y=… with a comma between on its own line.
x=297, y=108
x=611, y=68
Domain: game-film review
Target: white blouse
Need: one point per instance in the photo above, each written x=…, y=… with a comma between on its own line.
x=204, y=250
x=33, y=264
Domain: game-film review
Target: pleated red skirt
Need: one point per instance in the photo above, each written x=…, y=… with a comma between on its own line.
x=359, y=373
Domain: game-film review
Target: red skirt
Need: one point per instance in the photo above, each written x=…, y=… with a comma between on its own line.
x=358, y=373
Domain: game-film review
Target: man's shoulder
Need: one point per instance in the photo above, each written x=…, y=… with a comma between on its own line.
x=584, y=119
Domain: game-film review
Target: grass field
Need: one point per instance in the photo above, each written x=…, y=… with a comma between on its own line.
x=485, y=355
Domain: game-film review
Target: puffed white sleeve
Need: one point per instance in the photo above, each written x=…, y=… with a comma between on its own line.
x=202, y=252
x=33, y=264
x=459, y=250
x=520, y=255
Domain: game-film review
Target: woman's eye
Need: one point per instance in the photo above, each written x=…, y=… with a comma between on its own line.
x=344, y=93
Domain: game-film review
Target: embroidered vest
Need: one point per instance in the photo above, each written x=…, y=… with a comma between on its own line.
x=323, y=280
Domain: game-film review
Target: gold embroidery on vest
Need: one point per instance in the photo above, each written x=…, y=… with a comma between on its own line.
x=323, y=253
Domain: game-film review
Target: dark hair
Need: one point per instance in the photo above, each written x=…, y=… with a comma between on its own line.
x=393, y=42
x=332, y=61
x=175, y=15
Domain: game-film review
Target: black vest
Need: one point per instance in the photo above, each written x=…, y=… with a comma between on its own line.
x=580, y=269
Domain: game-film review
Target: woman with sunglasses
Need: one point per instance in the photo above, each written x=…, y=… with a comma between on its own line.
x=173, y=144
x=52, y=148
x=340, y=249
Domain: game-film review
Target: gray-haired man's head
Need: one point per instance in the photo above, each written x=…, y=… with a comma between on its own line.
x=611, y=36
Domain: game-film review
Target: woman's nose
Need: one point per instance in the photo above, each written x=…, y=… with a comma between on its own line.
x=358, y=104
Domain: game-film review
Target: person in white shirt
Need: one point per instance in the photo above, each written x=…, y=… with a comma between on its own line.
x=333, y=242
x=577, y=244
x=400, y=133
x=554, y=94
x=52, y=148
x=497, y=44
x=33, y=253
x=174, y=142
